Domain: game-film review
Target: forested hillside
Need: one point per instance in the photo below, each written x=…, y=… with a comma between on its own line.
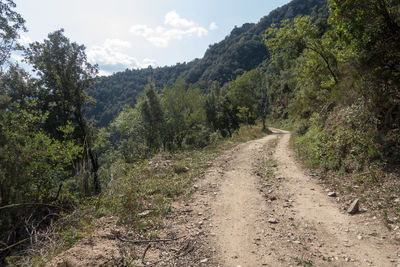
x=242, y=50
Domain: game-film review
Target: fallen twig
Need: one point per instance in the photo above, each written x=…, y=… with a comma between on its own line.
x=21, y=241
x=188, y=249
x=29, y=204
x=15, y=244
x=149, y=241
x=144, y=253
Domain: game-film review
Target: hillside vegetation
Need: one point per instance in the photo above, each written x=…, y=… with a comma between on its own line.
x=334, y=80
x=338, y=82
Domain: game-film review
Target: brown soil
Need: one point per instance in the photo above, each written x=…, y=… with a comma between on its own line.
x=98, y=249
x=255, y=206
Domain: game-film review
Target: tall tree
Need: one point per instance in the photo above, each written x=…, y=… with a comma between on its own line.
x=184, y=111
x=10, y=24
x=294, y=37
x=18, y=85
x=220, y=114
x=128, y=134
x=244, y=95
x=153, y=117
x=64, y=74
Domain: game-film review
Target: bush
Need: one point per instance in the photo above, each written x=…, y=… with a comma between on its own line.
x=338, y=144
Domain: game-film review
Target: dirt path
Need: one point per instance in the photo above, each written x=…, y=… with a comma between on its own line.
x=255, y=206
x=239, y=207
x=287, y=219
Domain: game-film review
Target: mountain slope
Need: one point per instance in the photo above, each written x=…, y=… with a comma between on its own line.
x=242, y=50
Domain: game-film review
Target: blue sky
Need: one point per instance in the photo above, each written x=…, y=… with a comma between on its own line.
x=122, y=34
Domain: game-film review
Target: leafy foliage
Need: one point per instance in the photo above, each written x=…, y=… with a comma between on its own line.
x=184, y=114
x=243, y=95
x=32, y=163
x=338, y=84
x=33, y=169
x=64, y=74
x=152, y=118
x=127, y=132
x=371, y=30
x=169, y=121
x=10, y=24
x=45, y=140
x=220, y=115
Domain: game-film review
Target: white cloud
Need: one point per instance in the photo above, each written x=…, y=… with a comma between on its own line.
x=104, y=73
x=141, y=30
x=149, y=62
x=175, y=28
x=111, y=57
x=16, y=57
x=213, y=26
x=116, y=44
x=110, y=53
x=173, y=19
x=24, y=40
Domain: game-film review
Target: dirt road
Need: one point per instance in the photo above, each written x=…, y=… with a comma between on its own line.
x=255, y=206
x=286, y=218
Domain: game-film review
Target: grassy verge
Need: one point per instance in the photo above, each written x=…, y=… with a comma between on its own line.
x=282, y=124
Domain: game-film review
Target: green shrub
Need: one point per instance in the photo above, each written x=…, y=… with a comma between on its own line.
x=337, y=146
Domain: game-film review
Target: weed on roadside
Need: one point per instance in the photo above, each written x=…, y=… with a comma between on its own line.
x=304, y=262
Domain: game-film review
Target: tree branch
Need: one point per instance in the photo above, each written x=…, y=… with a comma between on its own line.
x=29, y=204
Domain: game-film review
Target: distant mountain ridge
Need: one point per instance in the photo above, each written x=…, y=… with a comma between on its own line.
x=242, y=50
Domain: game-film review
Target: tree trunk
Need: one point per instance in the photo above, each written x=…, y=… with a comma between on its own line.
x=264, y=128
x=92, y=155
x=95, y=169
x=4, y=195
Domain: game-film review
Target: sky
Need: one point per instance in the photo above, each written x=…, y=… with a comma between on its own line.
x=123, y=34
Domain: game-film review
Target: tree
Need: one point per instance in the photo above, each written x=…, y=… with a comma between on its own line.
x=304, y=70
x=368, y=25
x=184, y=112
x=64, y=74
x=10, y=24
x=220, y=114
x=152, y=116
x=32, y=163
x=17, y=84
x=33, y=169
x=263, y=103
x=244, y=95
x=371, y=31
x=128, y=134
x=298, y=35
